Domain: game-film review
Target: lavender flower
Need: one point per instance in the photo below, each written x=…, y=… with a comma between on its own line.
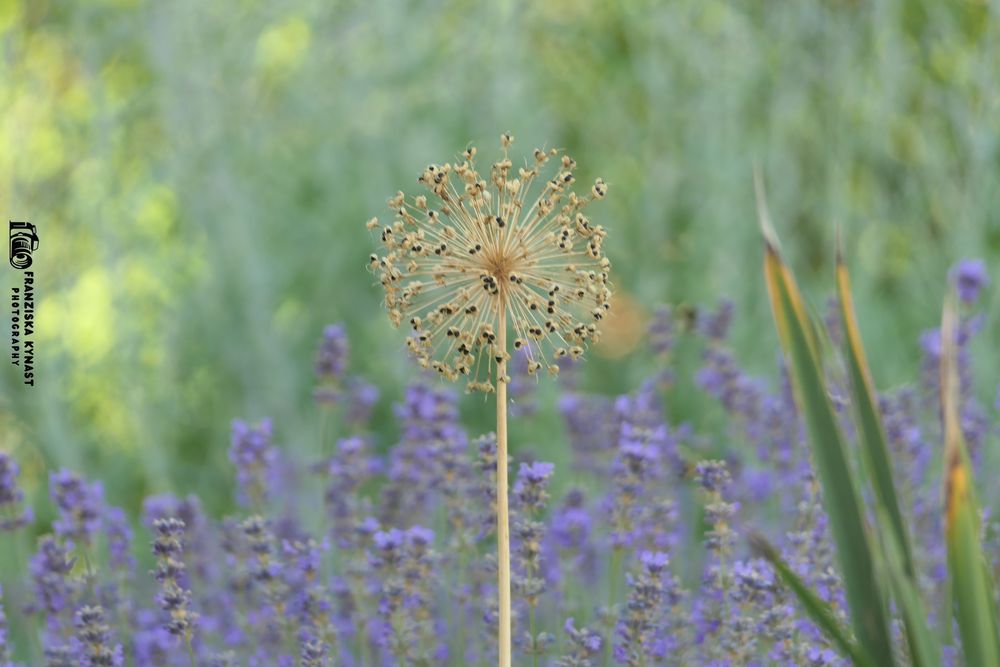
x=331, y=358
x=119, y=537
x=404, y=560
x=80, y=506
x=486, y=465
x=348, y=469
x=331, y=364
x=251, y=451
x=522, y=386
x=60, y=655
x=173, y=598
x=429, y=418
x=359, y=399
x=50, y=568
x=585, y=646
x=638, y=623
x=530, y=487
x=308, y=599
x=93, y=642
x=266, y=568
x=13, y=513
x=661, y=331
x=4, y=648
x=592, y=429
x=314, y=654
x=970, y=278
x=530, y=494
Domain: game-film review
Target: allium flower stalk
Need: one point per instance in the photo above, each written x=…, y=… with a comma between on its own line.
x=475, y=256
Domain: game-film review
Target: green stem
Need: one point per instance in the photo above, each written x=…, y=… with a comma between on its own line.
x=613, y=576
x=21, y=565
x=190, y=649
x=531, y=629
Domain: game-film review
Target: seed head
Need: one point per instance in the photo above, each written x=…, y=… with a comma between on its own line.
x=477, y=246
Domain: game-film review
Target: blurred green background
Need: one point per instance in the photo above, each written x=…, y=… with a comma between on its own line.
x=200, y=173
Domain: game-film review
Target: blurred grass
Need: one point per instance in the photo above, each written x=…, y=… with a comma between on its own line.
x=200, y=174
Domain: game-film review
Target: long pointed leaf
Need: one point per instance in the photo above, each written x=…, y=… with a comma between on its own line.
x=866, y=598
x=924, y=648
x=873, y=441
x=819, y=611
x=970, y=580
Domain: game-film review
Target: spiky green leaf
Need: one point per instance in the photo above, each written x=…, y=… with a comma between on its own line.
x=969, y=577
x=818, y=610
x=866, y=596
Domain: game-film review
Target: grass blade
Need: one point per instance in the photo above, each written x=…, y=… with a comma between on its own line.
x=970, y=580
x=924, y=648
x=873, y=441
x=819, y=611
x=866, y=598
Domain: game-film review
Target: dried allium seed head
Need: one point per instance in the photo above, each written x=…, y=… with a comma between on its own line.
x=476, y=246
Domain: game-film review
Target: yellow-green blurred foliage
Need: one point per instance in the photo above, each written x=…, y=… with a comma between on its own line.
x=200, y=171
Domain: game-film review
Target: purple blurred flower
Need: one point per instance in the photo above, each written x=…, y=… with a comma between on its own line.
x=970, y=277
x=530, y=487
x=331, y=357
x=254, y=456
x=119, y=539
x=174, y=599
x=359, y=400
x=54, y=590
x=13, y=513
x=585, y=646
x=638, y=625
x=93, y=644
x=80, y=506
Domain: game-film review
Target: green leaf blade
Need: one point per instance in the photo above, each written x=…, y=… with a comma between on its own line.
x=970, y=581
x=866, y=598
x=818, y=610
x=872, y=436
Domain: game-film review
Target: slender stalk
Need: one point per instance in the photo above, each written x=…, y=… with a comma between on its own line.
x=503, y=514
x=613, y=575
x=534, y=635
x=190, y=649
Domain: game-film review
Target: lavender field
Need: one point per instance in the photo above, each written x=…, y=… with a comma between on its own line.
x=631, y=550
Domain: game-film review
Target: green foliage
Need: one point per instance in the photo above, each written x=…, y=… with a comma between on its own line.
x=866, y=597
x=819, y=611
x=861, y=558
x=200, y=174
x=969, y=575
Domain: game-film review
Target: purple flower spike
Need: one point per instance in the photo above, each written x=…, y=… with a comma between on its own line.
x=13, y=514
x=251, y=451
x=970, y=277
x=331, y=358
x=80, y=505
x=93, y=642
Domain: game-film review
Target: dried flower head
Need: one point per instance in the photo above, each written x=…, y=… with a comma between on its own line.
x=476, y=252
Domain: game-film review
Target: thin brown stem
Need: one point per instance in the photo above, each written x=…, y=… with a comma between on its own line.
x=503, y=515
